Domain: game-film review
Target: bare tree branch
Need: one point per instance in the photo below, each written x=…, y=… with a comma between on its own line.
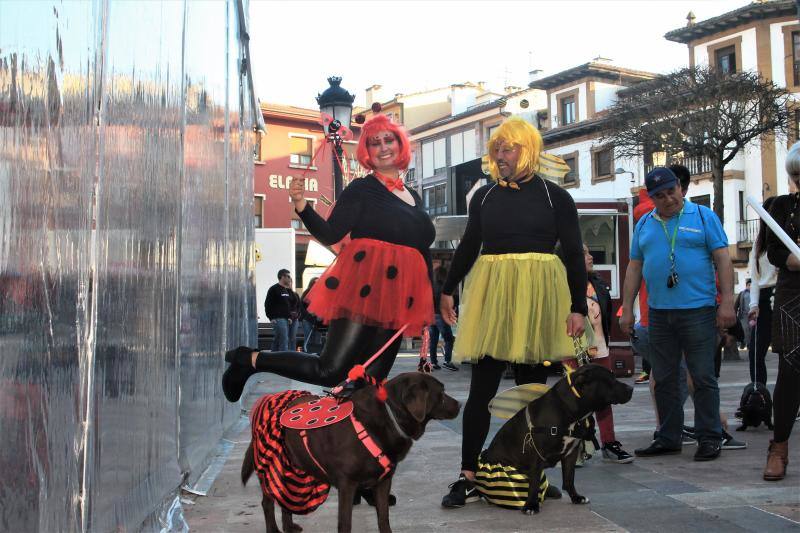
x=698, y=114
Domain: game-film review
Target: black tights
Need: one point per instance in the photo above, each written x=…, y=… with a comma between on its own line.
x=486, y=376
x=785, y=400
x=761, y=337
x=348, y=343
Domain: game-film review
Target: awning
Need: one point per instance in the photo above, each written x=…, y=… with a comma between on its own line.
x=450, y=228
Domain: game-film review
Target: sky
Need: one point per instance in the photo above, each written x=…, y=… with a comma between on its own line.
x=409, y=46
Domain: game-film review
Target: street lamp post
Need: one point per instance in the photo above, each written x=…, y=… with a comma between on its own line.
x=337, y=103
x=620, y=170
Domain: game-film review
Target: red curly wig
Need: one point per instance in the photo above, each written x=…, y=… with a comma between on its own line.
x=372, y=127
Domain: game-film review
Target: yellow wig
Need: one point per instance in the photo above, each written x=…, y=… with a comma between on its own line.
x=520, y=133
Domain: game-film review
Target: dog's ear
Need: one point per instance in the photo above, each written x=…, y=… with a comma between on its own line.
x=415, y=398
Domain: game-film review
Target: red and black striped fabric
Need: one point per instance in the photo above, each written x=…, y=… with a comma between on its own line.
x=292, y=488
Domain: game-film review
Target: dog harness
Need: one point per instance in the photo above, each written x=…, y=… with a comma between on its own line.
x=326, y=411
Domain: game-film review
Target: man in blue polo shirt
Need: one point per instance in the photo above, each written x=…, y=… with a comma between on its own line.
x=676, y=248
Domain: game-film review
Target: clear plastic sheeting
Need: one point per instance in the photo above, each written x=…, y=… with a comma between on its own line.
x=125, y=255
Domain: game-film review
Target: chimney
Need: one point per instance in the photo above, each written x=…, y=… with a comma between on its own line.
x=534, y=75
x=373, y=94
x=508, y=89
x=690, y=18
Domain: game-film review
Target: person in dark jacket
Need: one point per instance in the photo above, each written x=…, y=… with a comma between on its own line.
x=786, y=398
x=310, y=322
x=440, y=326
x=282, y=306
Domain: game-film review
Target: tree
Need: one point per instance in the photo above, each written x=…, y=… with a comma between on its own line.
x=698, y=112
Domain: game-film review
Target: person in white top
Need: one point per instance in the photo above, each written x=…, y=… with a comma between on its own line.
x=598, y=300
x=763, y=275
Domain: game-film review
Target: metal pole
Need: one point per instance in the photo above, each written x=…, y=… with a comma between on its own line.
x=338, y=182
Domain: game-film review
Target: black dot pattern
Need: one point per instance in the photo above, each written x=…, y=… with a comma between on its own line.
x=391, y=272
x=365, y=290
x=332, y=283
x=360, y=256
x=410, y=302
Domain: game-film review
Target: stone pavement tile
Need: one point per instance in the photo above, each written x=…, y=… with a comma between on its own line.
x=790, y=512
x=753, y=518
x=737, y=497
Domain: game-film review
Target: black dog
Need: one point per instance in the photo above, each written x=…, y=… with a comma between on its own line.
x=755, y=407
x=548, y=429
x=342, y=460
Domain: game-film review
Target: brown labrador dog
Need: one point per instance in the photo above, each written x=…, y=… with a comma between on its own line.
x=414, y=399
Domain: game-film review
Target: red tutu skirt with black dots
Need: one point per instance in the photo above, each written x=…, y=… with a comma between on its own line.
x=375, y=283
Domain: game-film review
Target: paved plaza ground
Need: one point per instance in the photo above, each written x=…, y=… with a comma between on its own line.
x=672, y=493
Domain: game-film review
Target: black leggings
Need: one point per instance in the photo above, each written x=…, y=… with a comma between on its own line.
x=348, y=343
x=760, y=337
x=486, y=376
x=785, y=400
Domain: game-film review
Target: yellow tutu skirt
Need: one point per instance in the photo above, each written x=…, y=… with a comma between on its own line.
x=515, y=308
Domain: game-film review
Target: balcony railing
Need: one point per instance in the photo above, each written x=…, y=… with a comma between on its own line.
x=696, y=165
x=747, y=230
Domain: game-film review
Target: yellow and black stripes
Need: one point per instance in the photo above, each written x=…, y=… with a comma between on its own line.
x=505, y=486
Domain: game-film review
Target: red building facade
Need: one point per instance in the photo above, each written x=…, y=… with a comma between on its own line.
x=293, y=140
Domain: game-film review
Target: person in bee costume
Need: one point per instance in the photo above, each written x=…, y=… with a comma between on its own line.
x=521, y=304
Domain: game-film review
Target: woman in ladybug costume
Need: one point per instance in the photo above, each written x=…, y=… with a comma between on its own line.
x=378, y=283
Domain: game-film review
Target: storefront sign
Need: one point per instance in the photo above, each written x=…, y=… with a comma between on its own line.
x=276, y=181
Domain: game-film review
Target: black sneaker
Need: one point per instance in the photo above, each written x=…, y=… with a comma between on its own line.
x=707, y=451
x=687, y=436
x=552, y=492
x=461, y=493
x=435, y=366
x=450, y=366
x=612, y=451
x=729, y=443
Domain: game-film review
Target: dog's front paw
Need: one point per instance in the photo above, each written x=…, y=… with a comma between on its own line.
x=530, y=509
x=580, y=500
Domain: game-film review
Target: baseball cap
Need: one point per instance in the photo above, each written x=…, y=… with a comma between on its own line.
x=660, y=178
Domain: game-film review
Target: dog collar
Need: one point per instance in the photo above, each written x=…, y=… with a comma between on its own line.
x=395, y=423
x=571, y=386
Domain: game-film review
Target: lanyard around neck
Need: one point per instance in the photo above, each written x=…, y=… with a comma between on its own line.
x=671, y=241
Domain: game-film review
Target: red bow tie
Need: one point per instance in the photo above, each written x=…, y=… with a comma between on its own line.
x=390, y=183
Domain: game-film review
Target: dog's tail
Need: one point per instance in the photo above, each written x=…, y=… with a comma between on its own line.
x=248, y=465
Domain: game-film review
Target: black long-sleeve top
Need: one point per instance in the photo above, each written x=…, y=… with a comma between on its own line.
x=786, y=213
x=281, y=302
x=506, y=221
x=367, y=209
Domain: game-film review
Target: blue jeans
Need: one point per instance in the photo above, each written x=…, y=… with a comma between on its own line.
x=447, y=334
x=285, y=334
x=689, y=333
x=641, y=344
x=310, y=334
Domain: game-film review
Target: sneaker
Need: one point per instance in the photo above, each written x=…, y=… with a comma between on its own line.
x=687, y=436
x=729, y=443
x=450, y=366
x=643, y=379
x=435, y=366
x=461, y=493
x=612, y=451
x=707, y=451
x=552, y=492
